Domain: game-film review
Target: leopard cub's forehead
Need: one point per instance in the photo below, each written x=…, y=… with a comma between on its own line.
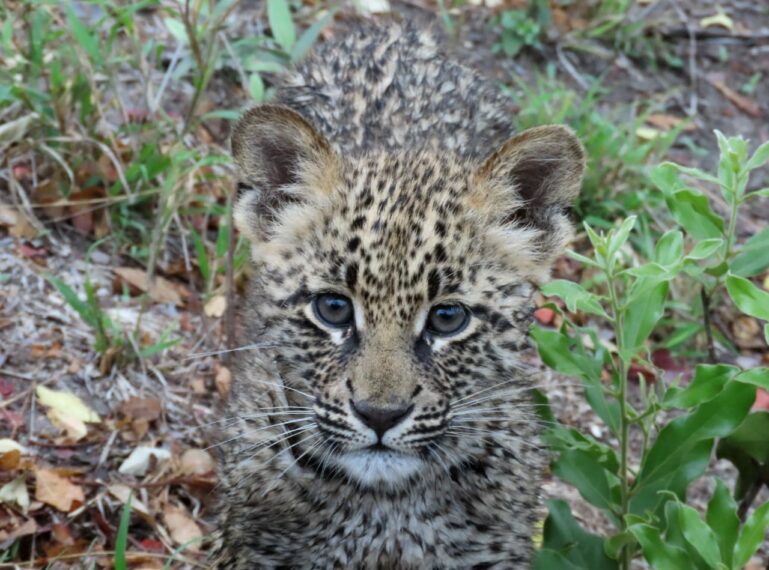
x=397, y=230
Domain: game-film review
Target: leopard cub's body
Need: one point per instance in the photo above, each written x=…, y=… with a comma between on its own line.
x=380, y=415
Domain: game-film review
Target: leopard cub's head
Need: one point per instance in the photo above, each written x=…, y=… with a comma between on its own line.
x=392, y=291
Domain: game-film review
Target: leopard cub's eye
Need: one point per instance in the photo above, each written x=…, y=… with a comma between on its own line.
x=333, y=310
x=447, y=320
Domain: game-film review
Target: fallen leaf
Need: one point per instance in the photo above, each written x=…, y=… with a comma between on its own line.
x=141, y=408
x=25, y=529
x=138, y=462
x=161, y=291
x=223, y=381
x=9, y=459
x=216, y=306
x=197, y=462
x=719, y=19
x=74, y=428
x=181, y=526
x=741, y=102
x=7, y=445
x=67, y=412
x=667, y=122
x=122, y=492
x=647, y=133
x=57, y=491
x=15, y=492
x=66, y=403
x=15, y=130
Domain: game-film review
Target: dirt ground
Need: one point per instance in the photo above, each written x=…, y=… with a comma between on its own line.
x=78, y=484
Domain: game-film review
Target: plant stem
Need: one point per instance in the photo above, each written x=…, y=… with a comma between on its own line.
x=705, y=297
x=625, y=421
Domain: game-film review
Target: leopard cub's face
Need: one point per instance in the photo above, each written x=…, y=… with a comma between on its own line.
x=394, y=290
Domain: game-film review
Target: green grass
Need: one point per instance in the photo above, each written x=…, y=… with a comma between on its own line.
x=95, y=108
x=616, y=181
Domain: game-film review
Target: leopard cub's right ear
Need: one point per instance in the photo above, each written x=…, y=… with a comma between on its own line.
x=282, y=161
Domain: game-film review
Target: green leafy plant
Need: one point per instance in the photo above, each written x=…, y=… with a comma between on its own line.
x=517, y=31
x=642, y=491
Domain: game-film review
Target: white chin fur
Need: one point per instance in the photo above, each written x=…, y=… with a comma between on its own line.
x=376, y=468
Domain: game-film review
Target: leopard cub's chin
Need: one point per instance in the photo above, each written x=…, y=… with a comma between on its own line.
x=380, y=468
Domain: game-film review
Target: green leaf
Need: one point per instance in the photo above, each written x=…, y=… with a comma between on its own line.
x=86, y=313
x=705, y=248
x=748, y=469
x=202, y=254
x=748, y=298
x=715, y=418
x=662, y=556
x=583, y=471
x=707, y=383
x=642, y=314
x=121, y=540
x=310, y=35
x=699, y=535
x=692, y=210
x=281, y=24
x=752, y=437
x=759, y=158
x=762, y=193
x=557, y=352
x=564, y=535
x=256, y=87
x=581, y=258
x=575, y=297
x=618, y=237
x=755, y=376
x=722, y=518
x=654, y=271
x=177, y=30
x=697, y=173
x=665, y=177
x=83, y=36
x=670, y=248
x=547, y=559
x=752, y=536
x=753, y=257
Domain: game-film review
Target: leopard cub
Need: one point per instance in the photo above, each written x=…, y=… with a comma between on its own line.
x=380, y=415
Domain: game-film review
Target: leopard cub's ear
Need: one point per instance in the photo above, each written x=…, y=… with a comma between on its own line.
x=525, y=189
x=283, y=161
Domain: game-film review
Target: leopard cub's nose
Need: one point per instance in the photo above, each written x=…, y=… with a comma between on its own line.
x=380, y=419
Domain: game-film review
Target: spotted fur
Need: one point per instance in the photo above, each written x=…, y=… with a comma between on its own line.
x=392, y=176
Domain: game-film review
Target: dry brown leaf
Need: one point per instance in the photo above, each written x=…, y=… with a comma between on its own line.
x=57, y=491
x=141, y=408
x=223, y=381
x=197, y=462
x=740, y=101
x=216, y=306
x=9, y=459
x=668, y=122
x=161, y=291
x=122, y=492
x=181, y=526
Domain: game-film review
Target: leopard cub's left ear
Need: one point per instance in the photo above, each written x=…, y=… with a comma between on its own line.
x=528, y=185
